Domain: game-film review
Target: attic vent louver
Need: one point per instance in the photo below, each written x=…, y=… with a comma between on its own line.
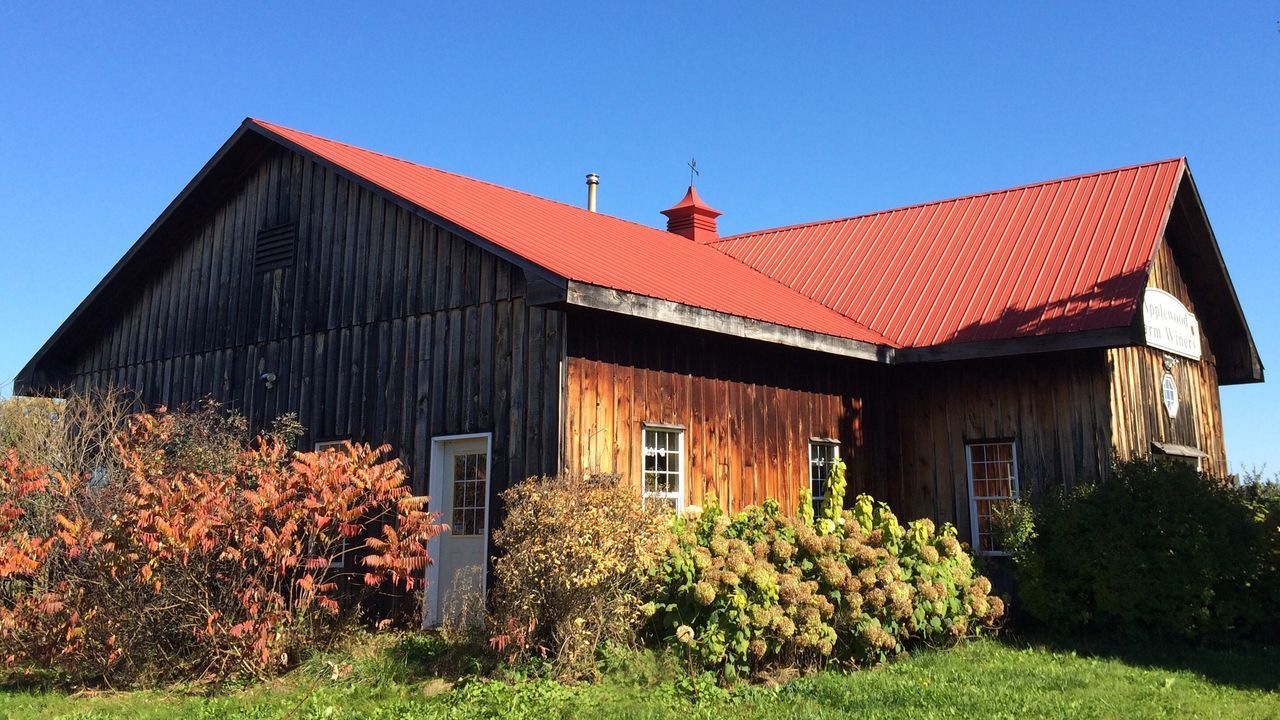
x=275, y=247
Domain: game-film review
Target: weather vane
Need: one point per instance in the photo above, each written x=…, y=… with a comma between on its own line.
x=693, y=170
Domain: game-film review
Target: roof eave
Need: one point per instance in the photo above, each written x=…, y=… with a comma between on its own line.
x=34, y=378
x=1253, y=372
x=596, y=297
x=535, y=274
x=1026, y=345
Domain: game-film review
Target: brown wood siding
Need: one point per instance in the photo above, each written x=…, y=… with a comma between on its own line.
x=387, y=328
x=749, y=409
x=1137, y=373
x=1054, y=406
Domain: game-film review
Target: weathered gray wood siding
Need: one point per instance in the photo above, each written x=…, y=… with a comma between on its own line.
x=1138, y=414
x=387, y=328
x=1055, y=406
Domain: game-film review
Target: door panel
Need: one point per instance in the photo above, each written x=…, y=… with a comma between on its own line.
x=464, y=507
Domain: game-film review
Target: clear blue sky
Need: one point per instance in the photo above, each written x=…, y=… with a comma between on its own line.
x=795, y=112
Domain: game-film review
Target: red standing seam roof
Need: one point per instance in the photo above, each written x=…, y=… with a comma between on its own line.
x=589, y=247
x=1061, y=256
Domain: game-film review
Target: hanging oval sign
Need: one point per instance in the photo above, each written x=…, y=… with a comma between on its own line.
x=1169, y=325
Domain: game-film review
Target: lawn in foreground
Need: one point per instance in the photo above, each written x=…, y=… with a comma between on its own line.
x=985, y=678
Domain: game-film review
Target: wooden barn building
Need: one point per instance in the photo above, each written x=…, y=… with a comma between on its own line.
x=952, y=353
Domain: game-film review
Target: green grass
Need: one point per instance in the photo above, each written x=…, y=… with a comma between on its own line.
x=980, y=679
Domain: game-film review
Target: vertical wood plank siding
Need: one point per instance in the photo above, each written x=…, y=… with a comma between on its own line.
x=390, y=329
x=749, y=409
x=1137, y=373
x=387, y=328
x=1055, y=406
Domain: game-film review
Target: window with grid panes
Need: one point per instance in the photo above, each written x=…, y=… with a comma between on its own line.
x=470, y=486
x=993, y=482
x=664, y=467
x=821, y=454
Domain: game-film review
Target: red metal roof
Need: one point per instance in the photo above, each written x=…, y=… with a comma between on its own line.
x=1062, y=256
x=589, y=247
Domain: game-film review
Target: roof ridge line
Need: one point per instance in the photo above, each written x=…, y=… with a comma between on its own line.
x=270, y=126
x=969, y=196
x=885, y=339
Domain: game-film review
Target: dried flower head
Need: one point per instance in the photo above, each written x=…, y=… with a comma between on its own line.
x=704, y=592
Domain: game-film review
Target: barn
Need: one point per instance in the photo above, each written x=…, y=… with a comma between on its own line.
x=954, y=353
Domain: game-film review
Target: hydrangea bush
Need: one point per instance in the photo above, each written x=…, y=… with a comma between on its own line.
x=760, y=589
x=575, y=563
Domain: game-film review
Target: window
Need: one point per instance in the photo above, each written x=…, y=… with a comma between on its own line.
x=470, y=486
x=664, y=466
x=993, y=481
x=822, y=453
x=1169, y=392
x=322, y=445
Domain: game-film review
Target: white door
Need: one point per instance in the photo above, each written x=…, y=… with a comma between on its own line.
x=460, y=480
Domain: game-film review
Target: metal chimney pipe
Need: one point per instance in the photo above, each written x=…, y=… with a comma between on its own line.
x=593, y=181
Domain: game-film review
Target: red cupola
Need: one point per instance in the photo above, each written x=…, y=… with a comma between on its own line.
x=693, y=218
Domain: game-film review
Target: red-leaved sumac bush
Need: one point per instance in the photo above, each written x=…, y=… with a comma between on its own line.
x=161, y=572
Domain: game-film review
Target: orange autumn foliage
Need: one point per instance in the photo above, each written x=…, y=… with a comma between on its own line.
x=168, y=573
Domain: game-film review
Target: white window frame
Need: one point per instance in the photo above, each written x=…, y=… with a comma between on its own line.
x=973, y=499
x=321, y=446
x=97, y=478
x=678, y=495
x=1170, y=395
x=814, y=444
x=482, y=496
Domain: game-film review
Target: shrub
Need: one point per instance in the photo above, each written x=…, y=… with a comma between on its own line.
x=573, y=567
x=71, y=436
x=202, y=438
x=1156, y=550
x=168, y=573
x=760, y=590
x=1265, y=501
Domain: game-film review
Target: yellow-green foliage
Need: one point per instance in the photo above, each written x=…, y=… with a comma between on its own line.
x=760, y=589
x=575, y=561
x=805, y=511
x=833, y=503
